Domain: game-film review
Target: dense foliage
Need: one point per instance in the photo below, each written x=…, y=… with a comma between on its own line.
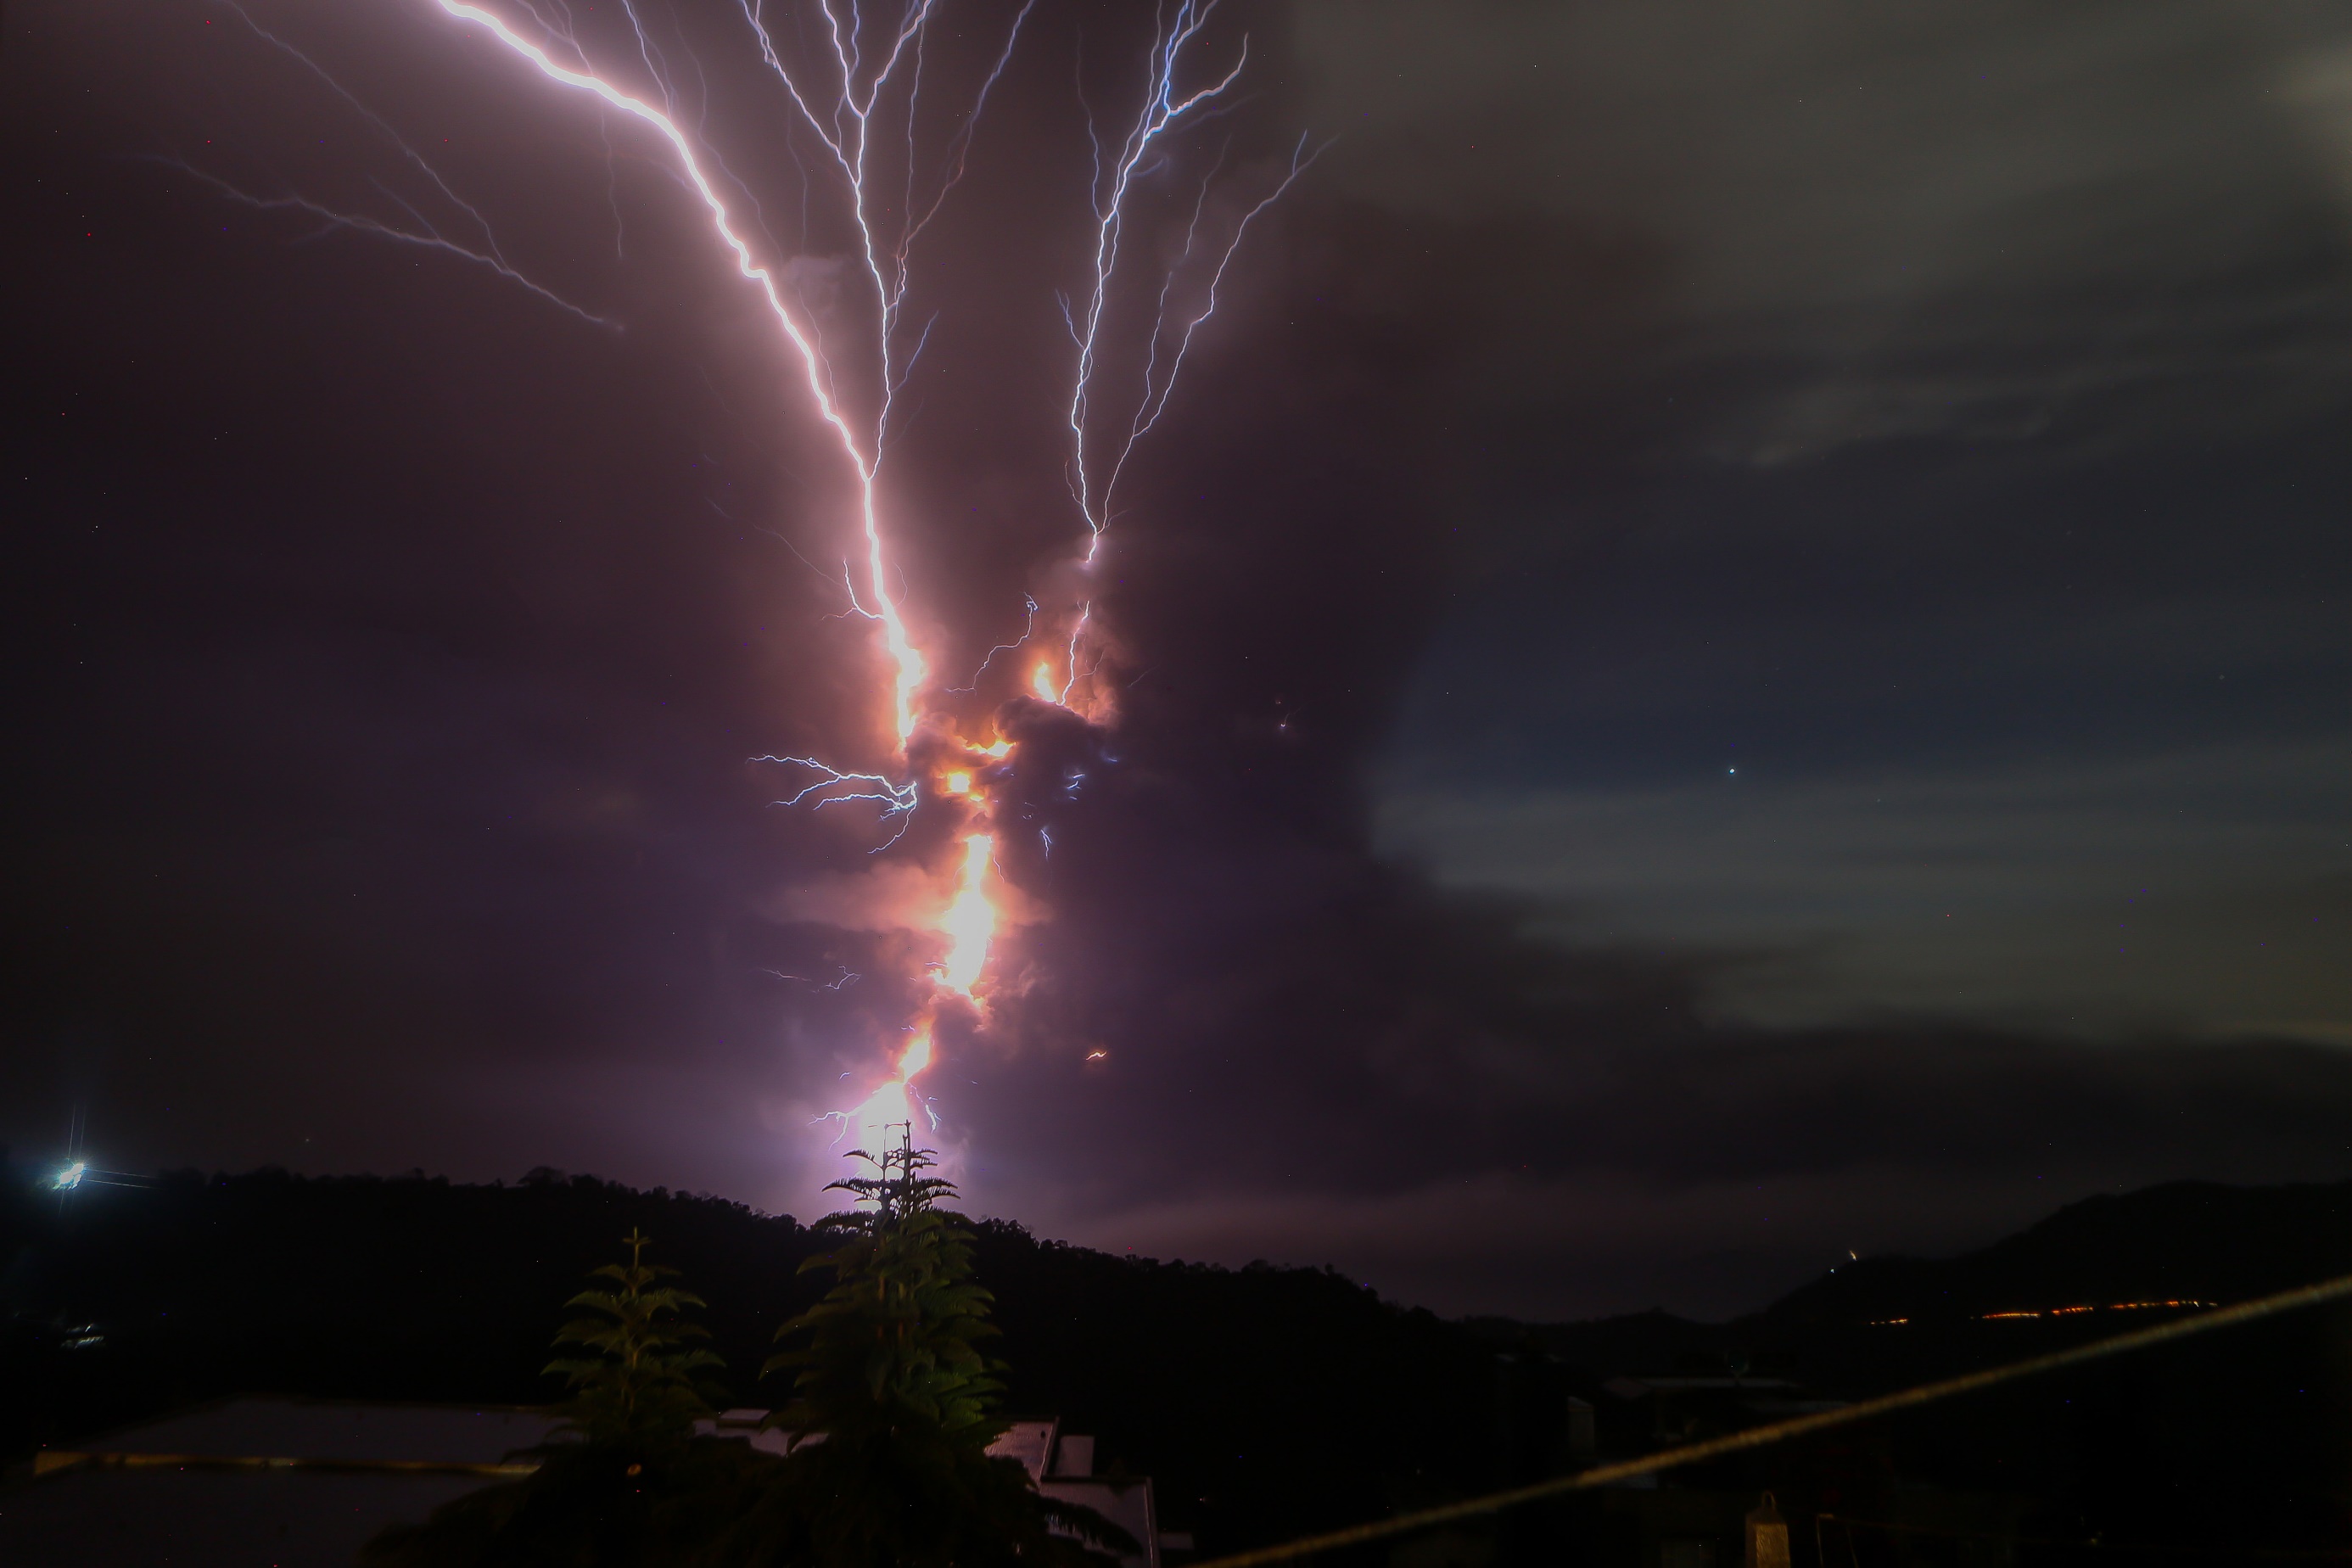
x=893, y=1407
x=1242, y=1391
x=625, y=1482
x=894, y=1343
x=892, y=1415
x=1264, y=1401
x=639, y=1384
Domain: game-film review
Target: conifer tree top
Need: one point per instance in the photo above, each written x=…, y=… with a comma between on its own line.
x=892, y=1347
x=639, y=1384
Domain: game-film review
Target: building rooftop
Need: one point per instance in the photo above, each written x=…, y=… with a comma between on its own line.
x=304, y=1483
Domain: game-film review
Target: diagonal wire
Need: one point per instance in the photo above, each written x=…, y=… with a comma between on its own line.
x=1798, y=1427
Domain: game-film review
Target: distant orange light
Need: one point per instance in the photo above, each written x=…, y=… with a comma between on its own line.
x=2092, y=1306
x=1001, y=749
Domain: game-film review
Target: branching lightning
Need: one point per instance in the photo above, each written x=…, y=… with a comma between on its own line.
x=833, y=787
x=1164, y=110
x=428, y=235
x=861, y=93
x=425, y=235
x=1028, y=630
x=907, y=663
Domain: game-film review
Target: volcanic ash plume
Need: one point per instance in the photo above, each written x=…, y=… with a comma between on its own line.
x=884, y=109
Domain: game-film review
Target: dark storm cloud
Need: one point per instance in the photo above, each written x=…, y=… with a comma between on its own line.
x=391, y=637
x=1928, y=218
x=1898, y=468
x=1307, y=1059
x=1999, y=581
x=1631, y=387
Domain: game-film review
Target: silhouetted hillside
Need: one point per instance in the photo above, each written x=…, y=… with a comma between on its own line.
x=2186, y=1240
x=1265, y=1400
x=2216, y=1443
x=1882, y=1321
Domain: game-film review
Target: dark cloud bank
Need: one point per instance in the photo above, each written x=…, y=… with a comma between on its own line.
x=1733, y=649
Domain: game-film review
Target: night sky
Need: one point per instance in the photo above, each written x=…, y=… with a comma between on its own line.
x=1738, y=644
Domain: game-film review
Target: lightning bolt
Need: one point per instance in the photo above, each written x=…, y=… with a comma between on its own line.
x=907, y=665
x=861, y=90
x=426, y=234
x=1162, y=111
x=833, y=787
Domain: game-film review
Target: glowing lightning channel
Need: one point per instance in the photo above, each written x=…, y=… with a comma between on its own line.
x=896, y=1102
x=970, y=922
x=833, y=787
x=432, y=238
x=847, y=124
x=1028, y=628
x=906, y=660
x=1162, y=111
x=847, y=132
x=427, y=234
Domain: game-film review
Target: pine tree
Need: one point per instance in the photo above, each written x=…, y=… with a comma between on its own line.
x=894, y=1343
x=640, y=1386
x=893, y=1408
x=624, y=1482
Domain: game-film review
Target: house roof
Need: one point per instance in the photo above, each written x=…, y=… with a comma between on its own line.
x=293, y=1483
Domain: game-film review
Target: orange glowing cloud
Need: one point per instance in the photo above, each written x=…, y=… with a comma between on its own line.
x=970, y=922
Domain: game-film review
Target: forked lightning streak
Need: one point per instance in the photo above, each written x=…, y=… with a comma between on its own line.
x=860, y=89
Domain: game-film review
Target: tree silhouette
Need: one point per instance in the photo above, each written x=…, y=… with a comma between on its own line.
x=893, y=1407
x=639, y=1387
x=893, y=1344
x=624, y=1482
